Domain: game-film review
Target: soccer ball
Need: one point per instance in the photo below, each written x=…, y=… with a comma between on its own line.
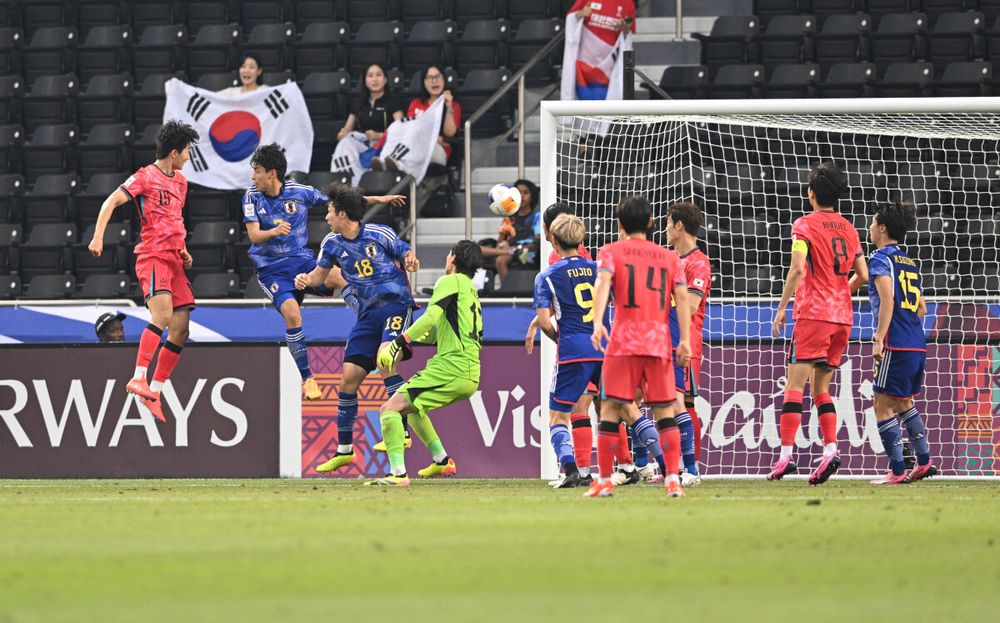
x=504, y=200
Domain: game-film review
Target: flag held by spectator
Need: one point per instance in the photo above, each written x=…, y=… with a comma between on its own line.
x=593, y=66
x=410, y=141
x=231, y=128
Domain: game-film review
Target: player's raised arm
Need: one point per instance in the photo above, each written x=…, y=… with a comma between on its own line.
x=110, y=204
x=395, y=200
x=797, y=269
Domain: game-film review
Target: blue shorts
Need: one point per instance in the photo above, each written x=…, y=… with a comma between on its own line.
x=570, y=382
x=900, y=374
x=374, y=326
x=278, y=279
x=686, y=377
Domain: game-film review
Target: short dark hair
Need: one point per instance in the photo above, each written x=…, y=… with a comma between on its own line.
x=270, y=157
x=633, y=213
x=424, y=93
x=468, y=257
x=364, y=78
x=688, y=214
x=555, y=210
x=173, y=135
x=899, y=217
x=256, y=59
x=828, y=182
x=347, y=199
x=532, y=188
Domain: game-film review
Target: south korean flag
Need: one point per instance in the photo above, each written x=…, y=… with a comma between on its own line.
x=410, y=142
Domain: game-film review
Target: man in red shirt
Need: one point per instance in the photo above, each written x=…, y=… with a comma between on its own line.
x=158, y=192
x=643, y=276
x=825, y=247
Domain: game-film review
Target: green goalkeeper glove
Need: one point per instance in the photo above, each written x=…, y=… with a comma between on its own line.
x=392, y=352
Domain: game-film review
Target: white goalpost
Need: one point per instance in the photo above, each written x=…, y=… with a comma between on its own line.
x=746, y=162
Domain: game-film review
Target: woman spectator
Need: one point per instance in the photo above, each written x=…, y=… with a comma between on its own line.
x=371, y=113
x=519, y=236
x=251, y=77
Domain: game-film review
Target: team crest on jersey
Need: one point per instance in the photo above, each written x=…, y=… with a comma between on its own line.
x=290, y=206
x=371, y=250
x=274, y=287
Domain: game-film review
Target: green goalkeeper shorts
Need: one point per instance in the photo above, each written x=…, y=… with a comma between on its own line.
x=430, y=389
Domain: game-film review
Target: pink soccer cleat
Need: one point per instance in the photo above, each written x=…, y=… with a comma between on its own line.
x=600, y=490
x=892, y=479
x=140, y=387
x=782, y=468
x=154, y=407
x=923, y=471
x=827, y=467
x=673, y=489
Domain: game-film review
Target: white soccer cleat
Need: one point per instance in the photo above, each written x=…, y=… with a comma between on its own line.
x=690, y=480
x=647, y=472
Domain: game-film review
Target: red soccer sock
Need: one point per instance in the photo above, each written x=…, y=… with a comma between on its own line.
x=791, y=417
x=583, y=439
x=697, y=431
x=607, y=445
x=622, y=453
x=827, y=418
x=148, y=343
x=170, y=354
x=670, y=442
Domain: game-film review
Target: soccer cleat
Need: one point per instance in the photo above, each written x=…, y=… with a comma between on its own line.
x=154, y=407
x=390, y=481
x=586, y=481
x=140, y=387
x=310, y=389
x=568, y=481
x=827, y=467
x=655, y=479
x=923, y=471
x=407, y=444
x=626, y=478
x=439, y=470
x=338, y=461
x=674, y=489
x=690, y=480
x=892, y=479
x=645, y=473
x=782, y=468
x=600, y=490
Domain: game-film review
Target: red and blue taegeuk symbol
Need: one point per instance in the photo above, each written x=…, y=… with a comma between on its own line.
x=235, y=135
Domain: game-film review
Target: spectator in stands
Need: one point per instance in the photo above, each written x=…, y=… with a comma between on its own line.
x=433, y=88
x=606, y=18
x=371, y=113
x=109, y=327
x=519, y=237
x=251, y=77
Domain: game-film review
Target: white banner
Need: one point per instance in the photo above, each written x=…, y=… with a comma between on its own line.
x=231, y=128
x=346, y=157
x=410, y=142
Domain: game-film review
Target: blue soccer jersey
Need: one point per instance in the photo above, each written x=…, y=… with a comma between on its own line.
x=292, y=206
x=371, y=264
x=568, y=287
x=906, y=329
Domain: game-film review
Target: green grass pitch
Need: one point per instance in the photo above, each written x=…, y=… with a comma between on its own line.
x=475, y=550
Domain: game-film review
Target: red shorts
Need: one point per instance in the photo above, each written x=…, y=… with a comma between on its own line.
x=653, y=375
x=818, y=342
x=164, y=274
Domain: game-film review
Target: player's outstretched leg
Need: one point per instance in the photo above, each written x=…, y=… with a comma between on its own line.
x=918, y=440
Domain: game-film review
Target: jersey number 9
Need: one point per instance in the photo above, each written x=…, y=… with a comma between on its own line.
x=585, y=303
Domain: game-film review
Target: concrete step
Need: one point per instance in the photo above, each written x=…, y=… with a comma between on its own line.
x=447, y=230
x=484, y=178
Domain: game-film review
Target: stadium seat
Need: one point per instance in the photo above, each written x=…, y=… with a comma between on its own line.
x=478, y=87
x=324, y=142
x=518, y=282
x=50, y=199
x=970, y=79
x=934, y=9
x=11, y=40
x=51, y=100
x=905, y=80
x=147, y=14
x=11, y=139
x=483, y=45
x=736, y=82
x=11, y=189
x=148, y=102
x=104, y=51
x=50, y=287
x=413, y=11
x=318, y=230
x=38, y=14
x=160, y=50
x=989, y=8
x=728, y=42
x=843, y=39
x=899, y=38
x=362, y=12
x=530, y=38
x=383, y=183
x=278, y=78
x=217, y=81
x=682, y=82
x=308, y=12
x=88, y=201
x=469, y=10
x=10, y=287
x=50, y=52
x=11, y=92
x=209, y=244
x=144, y=148
x=206, y=205
x=216, y=286
x=956, y=37
x=766, y=10
x=46, y=251
x=326, y=95
x=106, y=149
x=51, y=150
x=792, y=81
x=113, y=259
x=429, y=43
x=323, y=48
x=375, y=42
x=253, y=13
x=271, y=43
x=321, y=180
x=880, y=8
x=214, y=49
x=848, y=80
x=521, y=10
x=824, y=9
x=252, y=289
x=786, y=41
x=104, y=286
x=10, y=237
x=90, y=14
x=201, y=13
x=105, y=100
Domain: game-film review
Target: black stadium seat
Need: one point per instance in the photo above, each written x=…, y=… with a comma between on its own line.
x=11, y=139
x=843, y=39
x=323, y=47
x=905, y=80
x=10, y=287
x=208, y=245
x=413, y=11
x=483, y=45
x=148, y=102
x=728, y=42
x=50, y=199
x=11, y=190
x=106, y=149
x=214, y=49
x=104, y=51
x=309, y=12
x=848, y=80
x=271, y=44
x=88, y=201
x=104, y=286
x=46, y=251
x=326, y=95
x=429, y=43
x=11, y=39
x=202, y=13
x=361, y=12
x=792, y=81
x=898, y=39
x=880, y=8
x=375, y=42
x=38, y=14
x=51, y=51
x=205, y=205
x=51, y=150
x=825, y=9
x=531, y=36
x=144, y=148
x=478, y=87
x=217, y=81
x=470, y=10
x=51, y=287
x=105, y=100
x=956, y=37
x=51, y=100
x=11, y=93
x=253, y=13
x=767, y=10
x=736, y=82
x=160, y=50
x=786, y=41
x=971, y=79
x=147, y=14
x=114, y=257
x=91, y=14
x=216, y=286
x=683, y=82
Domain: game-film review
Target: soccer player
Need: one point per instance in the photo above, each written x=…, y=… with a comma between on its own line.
x=454, y=321
x=899, y=347
x=158, y=192
x=567, y=286
x=825, y=247
x=638, y=356
x=683, y=222
x=372, y=260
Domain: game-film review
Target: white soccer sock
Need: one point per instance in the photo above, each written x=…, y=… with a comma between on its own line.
x=399, y=471
x=156, y=386
x=140, y=372
x=829, y=449
x=345, y=449
x=584, y=471
x=786, y=453
x=440, y=457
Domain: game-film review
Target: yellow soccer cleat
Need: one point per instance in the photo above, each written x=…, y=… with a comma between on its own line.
x=407, y=444
x=338, y=461
x=389, y=481
x=439, y=470
x=311, y=390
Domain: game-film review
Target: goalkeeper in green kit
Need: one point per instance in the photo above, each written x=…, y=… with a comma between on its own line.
x=454, y=321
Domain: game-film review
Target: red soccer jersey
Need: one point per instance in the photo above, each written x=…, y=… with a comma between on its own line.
x=644, y=275
x=833, y=245
x=605, y=17
x=698, y=274
x=582, y=250
x=160, y=199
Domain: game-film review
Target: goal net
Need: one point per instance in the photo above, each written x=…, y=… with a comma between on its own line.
x=746, y=164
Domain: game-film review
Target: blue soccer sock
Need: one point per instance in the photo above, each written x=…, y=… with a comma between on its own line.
x=347, y=414
x=686, y=427
x=562, y=443
x=892, y=441
x=918, y=435
x=645, y=432
x=296, y=341
x=640, y=455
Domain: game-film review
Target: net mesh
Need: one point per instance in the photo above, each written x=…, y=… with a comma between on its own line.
x=749, y=175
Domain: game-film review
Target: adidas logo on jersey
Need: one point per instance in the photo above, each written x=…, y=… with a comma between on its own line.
x=343, y=254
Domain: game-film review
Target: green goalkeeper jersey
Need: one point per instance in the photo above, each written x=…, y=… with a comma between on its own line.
x=455, y=315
